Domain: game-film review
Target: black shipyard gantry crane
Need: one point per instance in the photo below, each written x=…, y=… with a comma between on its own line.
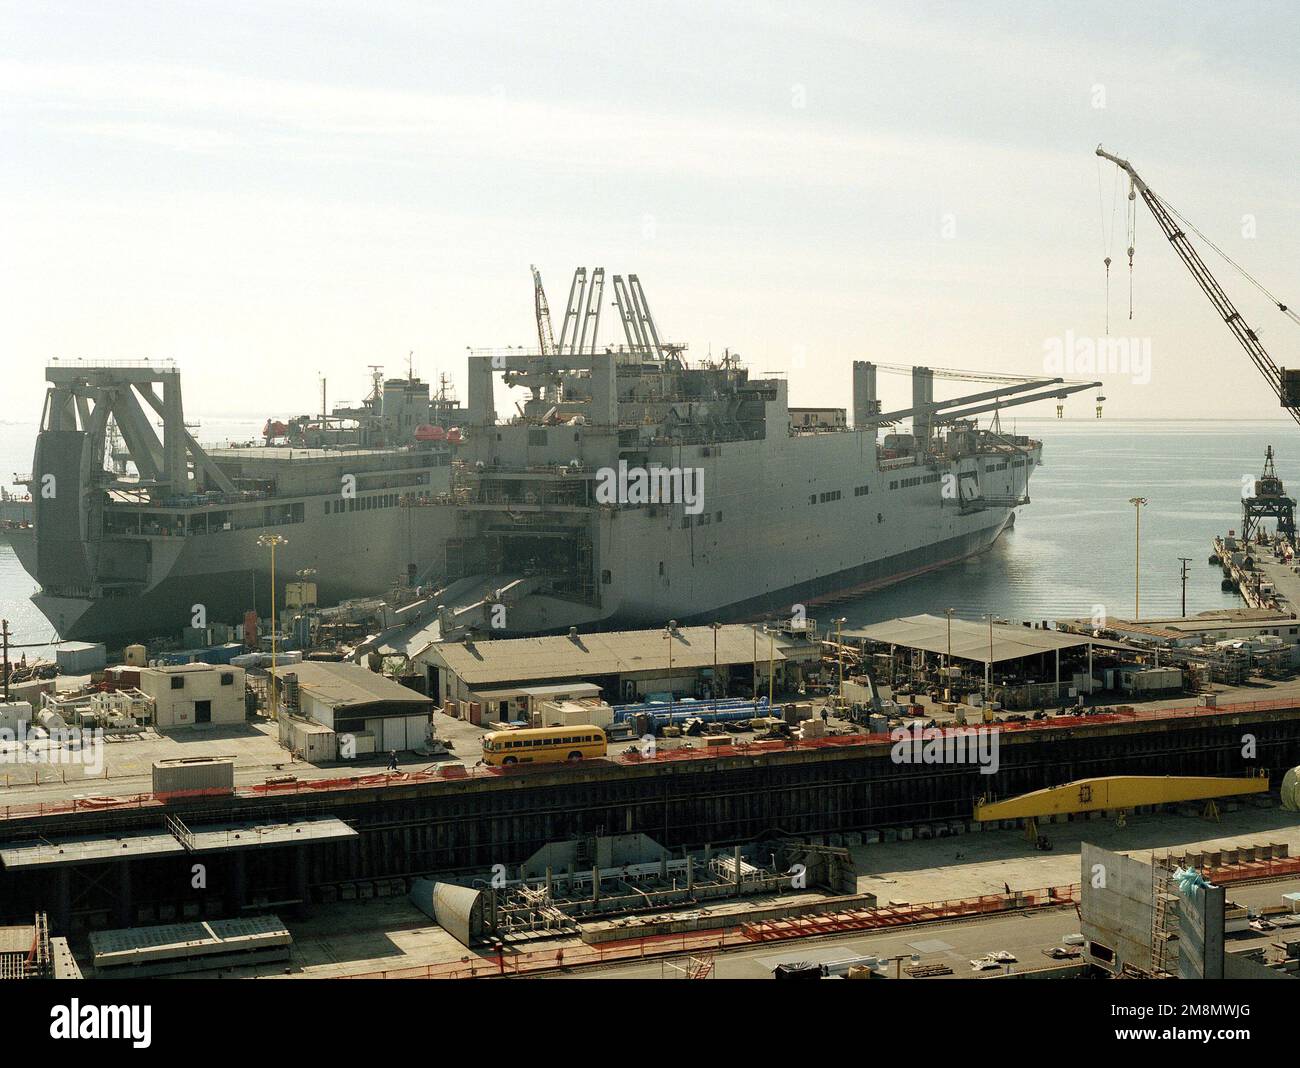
x=1285, y=384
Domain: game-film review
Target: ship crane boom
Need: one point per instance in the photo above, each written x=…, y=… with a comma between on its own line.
x=545, y=333
x=1241, y=330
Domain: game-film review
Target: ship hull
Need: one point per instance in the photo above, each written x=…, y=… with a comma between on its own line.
x=219, y=577
x=786, y=523
x=862, y=579
x=541, y=615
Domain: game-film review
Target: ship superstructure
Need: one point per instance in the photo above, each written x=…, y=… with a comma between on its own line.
x=146, y=538
x=631, y=487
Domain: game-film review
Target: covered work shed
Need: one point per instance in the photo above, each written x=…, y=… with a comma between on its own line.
x=627, y=664
x=1023, y=652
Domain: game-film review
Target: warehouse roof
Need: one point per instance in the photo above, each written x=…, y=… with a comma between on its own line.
x=970, y=641
x=91, y=849
x=94, y=849
x=17, y=939
x=1203, y=623
x=177, y=669
x=342, y=685
x=617, y=652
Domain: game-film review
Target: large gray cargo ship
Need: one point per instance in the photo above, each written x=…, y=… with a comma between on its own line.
x=627, y=487
x=630, y=487
x=162, y=533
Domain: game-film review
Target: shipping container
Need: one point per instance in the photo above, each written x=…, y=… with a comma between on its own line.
x=14, y=715
x=81, y=658
x=194, y=773
x=220, y=654
x=312, y=741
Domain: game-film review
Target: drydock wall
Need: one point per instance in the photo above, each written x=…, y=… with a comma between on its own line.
x=471, y=824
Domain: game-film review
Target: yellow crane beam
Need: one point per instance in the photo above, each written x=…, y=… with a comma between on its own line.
x=1117, y=792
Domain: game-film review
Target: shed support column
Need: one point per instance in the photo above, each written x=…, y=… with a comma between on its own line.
x=238, y=881
x=125, y=911
x=61, y=912
x=301, y=887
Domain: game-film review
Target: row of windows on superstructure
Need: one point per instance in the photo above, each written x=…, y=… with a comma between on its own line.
x=905, y=483
x=835, y=495
x=701, y=520
x=918, y=480
x=366, y=504
x=824, y=498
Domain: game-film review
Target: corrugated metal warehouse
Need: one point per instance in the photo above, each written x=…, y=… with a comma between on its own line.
x=626, y=664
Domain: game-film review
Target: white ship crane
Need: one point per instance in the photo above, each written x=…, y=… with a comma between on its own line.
x=582, y=313
x=545, y=335
x=1012, y=390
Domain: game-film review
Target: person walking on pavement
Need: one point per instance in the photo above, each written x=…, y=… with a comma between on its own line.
x=392, y=760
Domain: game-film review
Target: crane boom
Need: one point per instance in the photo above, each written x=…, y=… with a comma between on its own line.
x=545, y=335
x=1241, y=330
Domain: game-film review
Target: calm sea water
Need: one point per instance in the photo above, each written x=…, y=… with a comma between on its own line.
x=1071, y=549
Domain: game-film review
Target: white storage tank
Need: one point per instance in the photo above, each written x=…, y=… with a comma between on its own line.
x=135, y=656
x=51, y=720
x=1291, y=790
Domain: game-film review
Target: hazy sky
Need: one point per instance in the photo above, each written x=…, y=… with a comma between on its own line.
x=272, y=190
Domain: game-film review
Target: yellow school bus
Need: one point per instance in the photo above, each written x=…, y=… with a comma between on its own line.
x=542, y=745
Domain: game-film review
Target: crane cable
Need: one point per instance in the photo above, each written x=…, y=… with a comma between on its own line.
x=1107, y=240
x=1132, y=240
x=1281, y=306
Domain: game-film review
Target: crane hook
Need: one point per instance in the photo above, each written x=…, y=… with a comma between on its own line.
x=1130, y=281
x=1107, y=262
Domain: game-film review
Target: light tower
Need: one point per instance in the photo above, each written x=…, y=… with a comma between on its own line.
x=272, y=542
x=1137, y=503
